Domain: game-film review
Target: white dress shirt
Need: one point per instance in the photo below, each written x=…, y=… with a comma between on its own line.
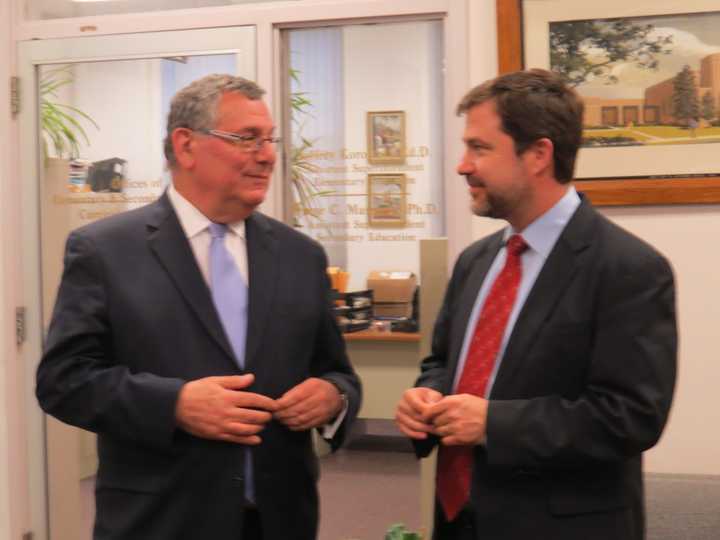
x=195, y=224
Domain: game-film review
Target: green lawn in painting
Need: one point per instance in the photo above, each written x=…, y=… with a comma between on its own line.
x=659, y=134
x=673, y=131
x=620, y=132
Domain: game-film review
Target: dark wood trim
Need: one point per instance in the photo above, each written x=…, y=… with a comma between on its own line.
x=606, y=191
x=369, y=335
x=509, y=31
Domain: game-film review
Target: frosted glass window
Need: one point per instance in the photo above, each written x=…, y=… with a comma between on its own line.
x=62, y=9
x=366, y=157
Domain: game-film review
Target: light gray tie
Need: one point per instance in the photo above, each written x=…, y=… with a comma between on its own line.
x=230, y=296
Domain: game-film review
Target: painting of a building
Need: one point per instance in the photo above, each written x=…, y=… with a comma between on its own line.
x=613, y=112
x=657, y=105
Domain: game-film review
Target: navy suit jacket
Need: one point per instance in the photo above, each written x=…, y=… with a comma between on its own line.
x=584, y=388
x=134, y=321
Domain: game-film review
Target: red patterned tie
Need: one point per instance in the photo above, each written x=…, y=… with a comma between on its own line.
x=455, y=462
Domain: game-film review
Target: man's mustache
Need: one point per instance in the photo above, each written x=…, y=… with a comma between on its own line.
x=474, y=182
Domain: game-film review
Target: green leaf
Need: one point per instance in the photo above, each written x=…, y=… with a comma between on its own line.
x=398, y=531
x=60, y=123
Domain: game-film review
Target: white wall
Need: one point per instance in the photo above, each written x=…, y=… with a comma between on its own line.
x=691, y=443
x=5, y=358
x=14, y=507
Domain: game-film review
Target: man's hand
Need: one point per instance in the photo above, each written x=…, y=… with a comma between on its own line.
x=412, y=410
x=217, y=408
x=459, y=419
x=312, y=403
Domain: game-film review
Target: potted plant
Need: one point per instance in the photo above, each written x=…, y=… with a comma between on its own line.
x=60, y=123
x=302, y=168
x=61, y=132
x=399, y=532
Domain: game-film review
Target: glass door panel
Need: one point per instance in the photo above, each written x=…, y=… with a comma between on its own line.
x=117, y=112
x=96, y=136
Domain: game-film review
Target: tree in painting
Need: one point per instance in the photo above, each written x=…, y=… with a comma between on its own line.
x=584, y=50
x=686, y=105
x=707, y=107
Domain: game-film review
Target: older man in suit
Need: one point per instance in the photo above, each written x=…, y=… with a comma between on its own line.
x=195, y=336
x=553, y=358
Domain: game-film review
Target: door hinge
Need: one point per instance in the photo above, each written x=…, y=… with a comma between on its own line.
x=15, y=95
x=20, y=326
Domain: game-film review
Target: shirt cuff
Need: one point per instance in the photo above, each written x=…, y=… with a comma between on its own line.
x=328, y=430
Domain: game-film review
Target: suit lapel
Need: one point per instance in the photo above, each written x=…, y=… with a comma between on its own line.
x=169, y=244
x=471, y=286
x=263, y=272
x=564, y=261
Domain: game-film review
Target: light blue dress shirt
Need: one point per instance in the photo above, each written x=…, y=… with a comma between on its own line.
x=540, y=236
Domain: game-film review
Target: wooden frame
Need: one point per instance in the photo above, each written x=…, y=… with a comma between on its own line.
x=605, y=192
x=387, y=200
x=386, y=137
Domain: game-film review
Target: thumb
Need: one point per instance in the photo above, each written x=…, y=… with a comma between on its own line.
x=236, y=382
x=432, y=396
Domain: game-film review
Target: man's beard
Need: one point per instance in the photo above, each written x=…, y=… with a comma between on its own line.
x=493, y=206
x=499, y=204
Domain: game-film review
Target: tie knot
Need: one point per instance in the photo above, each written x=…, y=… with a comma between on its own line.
x=516, y=245
x=217, y=230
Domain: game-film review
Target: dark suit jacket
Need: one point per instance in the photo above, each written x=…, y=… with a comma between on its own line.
x=134, y=320
x=584, y=388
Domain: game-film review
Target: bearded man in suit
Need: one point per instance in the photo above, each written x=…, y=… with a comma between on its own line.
x=195, y=337
x=554, y=354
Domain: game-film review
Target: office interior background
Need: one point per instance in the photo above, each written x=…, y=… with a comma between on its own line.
x=414, y=57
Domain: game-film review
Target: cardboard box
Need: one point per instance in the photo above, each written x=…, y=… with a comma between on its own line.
x=393, y=309
x=392, y=286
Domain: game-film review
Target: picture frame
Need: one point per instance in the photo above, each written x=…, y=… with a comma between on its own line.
x=626, y=190
x=387, y=200
x=386, y=143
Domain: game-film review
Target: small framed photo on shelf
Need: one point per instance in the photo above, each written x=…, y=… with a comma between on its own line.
x=387, y=200
x=386, y=137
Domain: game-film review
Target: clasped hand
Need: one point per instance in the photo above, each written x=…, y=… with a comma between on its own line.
x=221, y=408
x=458, y=419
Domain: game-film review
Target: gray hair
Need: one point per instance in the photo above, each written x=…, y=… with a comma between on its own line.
x=195, y=106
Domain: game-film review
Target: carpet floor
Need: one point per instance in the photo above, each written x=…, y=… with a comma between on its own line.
x=363, y=492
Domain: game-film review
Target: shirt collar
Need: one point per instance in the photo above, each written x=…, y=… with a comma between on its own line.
x=542, y=233
x=192, y=220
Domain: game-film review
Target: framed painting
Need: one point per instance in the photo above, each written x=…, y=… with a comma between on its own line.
x=386, y=137
x=649, y=73
x=387, y=200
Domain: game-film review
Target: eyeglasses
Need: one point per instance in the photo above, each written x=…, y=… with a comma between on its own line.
x=245, y=143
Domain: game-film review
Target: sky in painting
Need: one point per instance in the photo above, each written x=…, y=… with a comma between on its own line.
x=694, y=37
